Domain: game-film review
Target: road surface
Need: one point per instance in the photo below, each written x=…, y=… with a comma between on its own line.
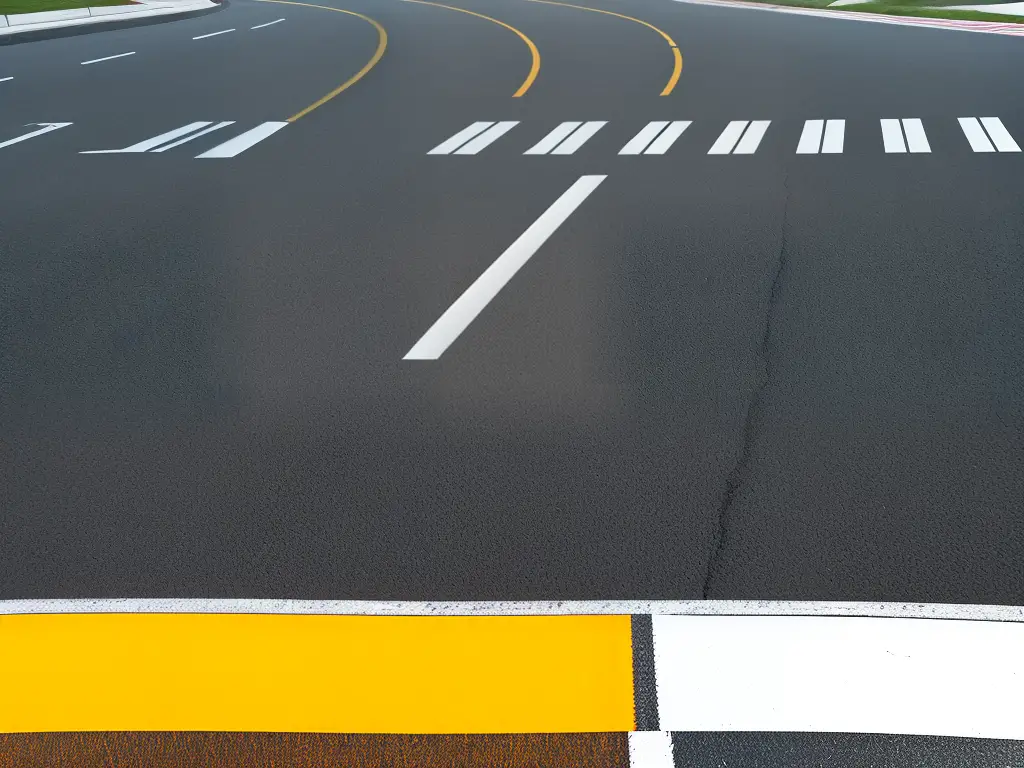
x=750, y=357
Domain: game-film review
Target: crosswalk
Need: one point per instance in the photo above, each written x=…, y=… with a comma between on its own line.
x=175, y=138
x=818, y=136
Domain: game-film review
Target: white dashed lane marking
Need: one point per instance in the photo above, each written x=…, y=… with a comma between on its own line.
x=108, y=58
x=268, y=24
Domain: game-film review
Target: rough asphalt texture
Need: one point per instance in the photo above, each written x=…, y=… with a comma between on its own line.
x=766, y=376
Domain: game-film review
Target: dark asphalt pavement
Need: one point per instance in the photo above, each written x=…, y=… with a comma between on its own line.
x=732, y=376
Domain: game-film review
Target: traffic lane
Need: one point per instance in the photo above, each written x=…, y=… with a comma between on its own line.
x=590, y=60
x=174, y=365
x=248, y=74
x=779, y=64
x=885, y=454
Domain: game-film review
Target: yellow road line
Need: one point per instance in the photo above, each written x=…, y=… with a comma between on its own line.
x=677, y=57
x=534, y=53
x=316, y=673
x=382, y=44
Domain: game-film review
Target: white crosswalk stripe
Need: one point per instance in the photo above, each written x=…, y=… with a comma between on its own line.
x=238, y=145
x=740, y=137
x=448, y=146
x=566, y=138
x=894, y=130
x=487, y=138
x=655, y=138
x=821, y=136
x=987, y=135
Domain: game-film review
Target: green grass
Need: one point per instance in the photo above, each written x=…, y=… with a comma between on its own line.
x=32, y=6
x=912, y=8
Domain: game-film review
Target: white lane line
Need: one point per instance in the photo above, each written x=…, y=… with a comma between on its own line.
x=554, y=138
x=892, y=136
x=647, y=134
x=213, y=34
x=242, y=142
x=975, y=134
x=810, y=138
x=203, y=132
x=108, y=58
x=45, y=128
x=268, y=24
x=835, y=132
x=1000, y=136
x=488, y=137
x=668, y=137
x=448, y=146
x=917, y=140
x=840, y=675
x=650, y=749
x=727, y=140
x=156, y=141
x=579, y=137
x=471, y=303
x=5, y=79
x=752, y=137
x=784, y=608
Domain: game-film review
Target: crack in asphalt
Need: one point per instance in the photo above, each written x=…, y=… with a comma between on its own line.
x=737, y=476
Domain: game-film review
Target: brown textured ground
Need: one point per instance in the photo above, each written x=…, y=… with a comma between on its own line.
x=311, y=750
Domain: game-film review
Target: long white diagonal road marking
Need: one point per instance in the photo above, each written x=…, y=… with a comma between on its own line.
x=156, y=141
x=242, y=142
x=211, y=129
x=471, y=303
x=45, y=128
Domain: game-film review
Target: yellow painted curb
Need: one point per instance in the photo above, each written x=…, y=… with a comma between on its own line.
x=320, y=673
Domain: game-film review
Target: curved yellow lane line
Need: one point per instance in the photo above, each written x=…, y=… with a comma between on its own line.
x=677, y=57
x=382, y=44
x=534, y=53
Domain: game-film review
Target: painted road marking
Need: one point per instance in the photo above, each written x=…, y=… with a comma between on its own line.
x=566, y=138
x=5, y=79
x=1000, y=136
x=811, y=142
x=156, y=141
x=268, y=24
x=655, y=138
x=650, y=749
x=448, y=146
x=892, y=135
x=273, y=673
x=489, y=136
x=840, y=675
x=752, y=137
x=213, y=34
x=979, y=139
x=45, y=128
x=203, y=132
x=471, y=303
x=242, y=142
x=108, y=58
x=727, y=139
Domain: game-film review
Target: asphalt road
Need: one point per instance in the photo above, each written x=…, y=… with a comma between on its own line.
x=762, y=375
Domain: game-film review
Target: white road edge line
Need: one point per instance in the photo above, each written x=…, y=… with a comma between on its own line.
x=268, y=24
x=924, y=611
x=108, y=58
x=241, y=142
x=471, y=303
x=213, y=34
